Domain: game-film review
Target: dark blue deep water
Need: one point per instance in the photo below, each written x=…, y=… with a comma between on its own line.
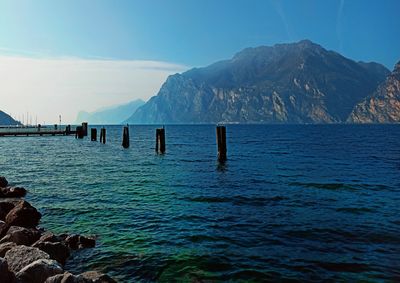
x=293, y=202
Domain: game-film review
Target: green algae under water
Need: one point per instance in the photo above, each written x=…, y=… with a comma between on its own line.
x=307, y=203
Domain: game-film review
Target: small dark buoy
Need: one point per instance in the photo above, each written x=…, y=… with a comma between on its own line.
x=93, y=134
x=103, y=135
x=221, y=142
x=160, y=140
x=85, y=129
x=125, y=137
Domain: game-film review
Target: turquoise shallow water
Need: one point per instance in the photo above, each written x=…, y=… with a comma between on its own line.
x=306, y=203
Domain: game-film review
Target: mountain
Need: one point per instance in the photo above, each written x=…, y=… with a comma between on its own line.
x=111, y=115
x=287, y=83
x=6, y=120
x=383, y=106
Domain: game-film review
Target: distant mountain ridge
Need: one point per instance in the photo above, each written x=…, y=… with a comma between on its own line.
x=383, y=106
x=287, y=83
x=7, y=120
x=110, y=115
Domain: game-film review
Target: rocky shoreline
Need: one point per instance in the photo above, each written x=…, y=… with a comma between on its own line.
x=30, y=254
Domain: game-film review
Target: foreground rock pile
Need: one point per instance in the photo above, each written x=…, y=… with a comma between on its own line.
x=29, y=254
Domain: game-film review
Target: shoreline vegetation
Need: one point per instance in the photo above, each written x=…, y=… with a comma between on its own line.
x=29, y=253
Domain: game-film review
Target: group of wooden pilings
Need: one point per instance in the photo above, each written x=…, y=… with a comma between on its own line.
x=93, y=135
x=81, y=131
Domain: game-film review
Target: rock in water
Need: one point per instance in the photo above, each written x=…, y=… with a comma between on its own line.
x=57, y=251
x=21, y=256
x=3, y=182
x=97, y=277
x=72, y=241
x=75, y=242
x=67, y=278
x=6, y=276
x=85, y=242
x=383, y=106
x=12, y=192
x=38, y=271
x=24, y=215
x=21, y=236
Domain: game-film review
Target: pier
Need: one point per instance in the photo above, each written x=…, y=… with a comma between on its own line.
x=35, y=131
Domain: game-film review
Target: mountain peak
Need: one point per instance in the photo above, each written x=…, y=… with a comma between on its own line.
x=304, y=44
x=297, y=82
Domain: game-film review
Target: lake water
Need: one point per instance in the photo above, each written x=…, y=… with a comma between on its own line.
x=293, y=202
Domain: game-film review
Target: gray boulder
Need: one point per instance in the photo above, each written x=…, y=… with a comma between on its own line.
x=21, y=256
x=21, y=236
x=97, y=277
x=67, y=278
x=5, y=247
x=38, y=271
x=24, y=215
x=49, y=237
x=57, y=251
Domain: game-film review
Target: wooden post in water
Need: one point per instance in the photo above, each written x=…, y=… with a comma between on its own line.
x=79, y=132
x=125, y=137
x=221, y=142
x=93, y=134
x=85, y=129
x=103, y=135
x=160, y=140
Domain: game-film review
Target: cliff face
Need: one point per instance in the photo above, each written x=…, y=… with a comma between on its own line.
x=383, y=106
x=287, y=83
x=6, y=120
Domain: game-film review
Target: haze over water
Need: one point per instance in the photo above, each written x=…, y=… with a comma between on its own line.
x=301, y=202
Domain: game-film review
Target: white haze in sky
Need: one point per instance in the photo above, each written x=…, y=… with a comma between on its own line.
x=47, y=88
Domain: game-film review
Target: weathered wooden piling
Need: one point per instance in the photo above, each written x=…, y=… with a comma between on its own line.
x=103, y=135
x=160, y=140
x=93, y=134
x=85, y=129
x=221, y=142
x=125, y=137
x=79, y=132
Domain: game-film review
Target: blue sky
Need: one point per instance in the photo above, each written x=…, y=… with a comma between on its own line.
x=197, y=32
x=145, y=41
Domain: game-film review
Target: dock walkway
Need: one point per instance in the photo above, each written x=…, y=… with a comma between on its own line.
x=34, y=131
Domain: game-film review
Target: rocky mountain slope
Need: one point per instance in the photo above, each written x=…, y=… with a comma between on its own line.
x=6, y=120
x=286, y=83
x=383, y=106
x=112, y=115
